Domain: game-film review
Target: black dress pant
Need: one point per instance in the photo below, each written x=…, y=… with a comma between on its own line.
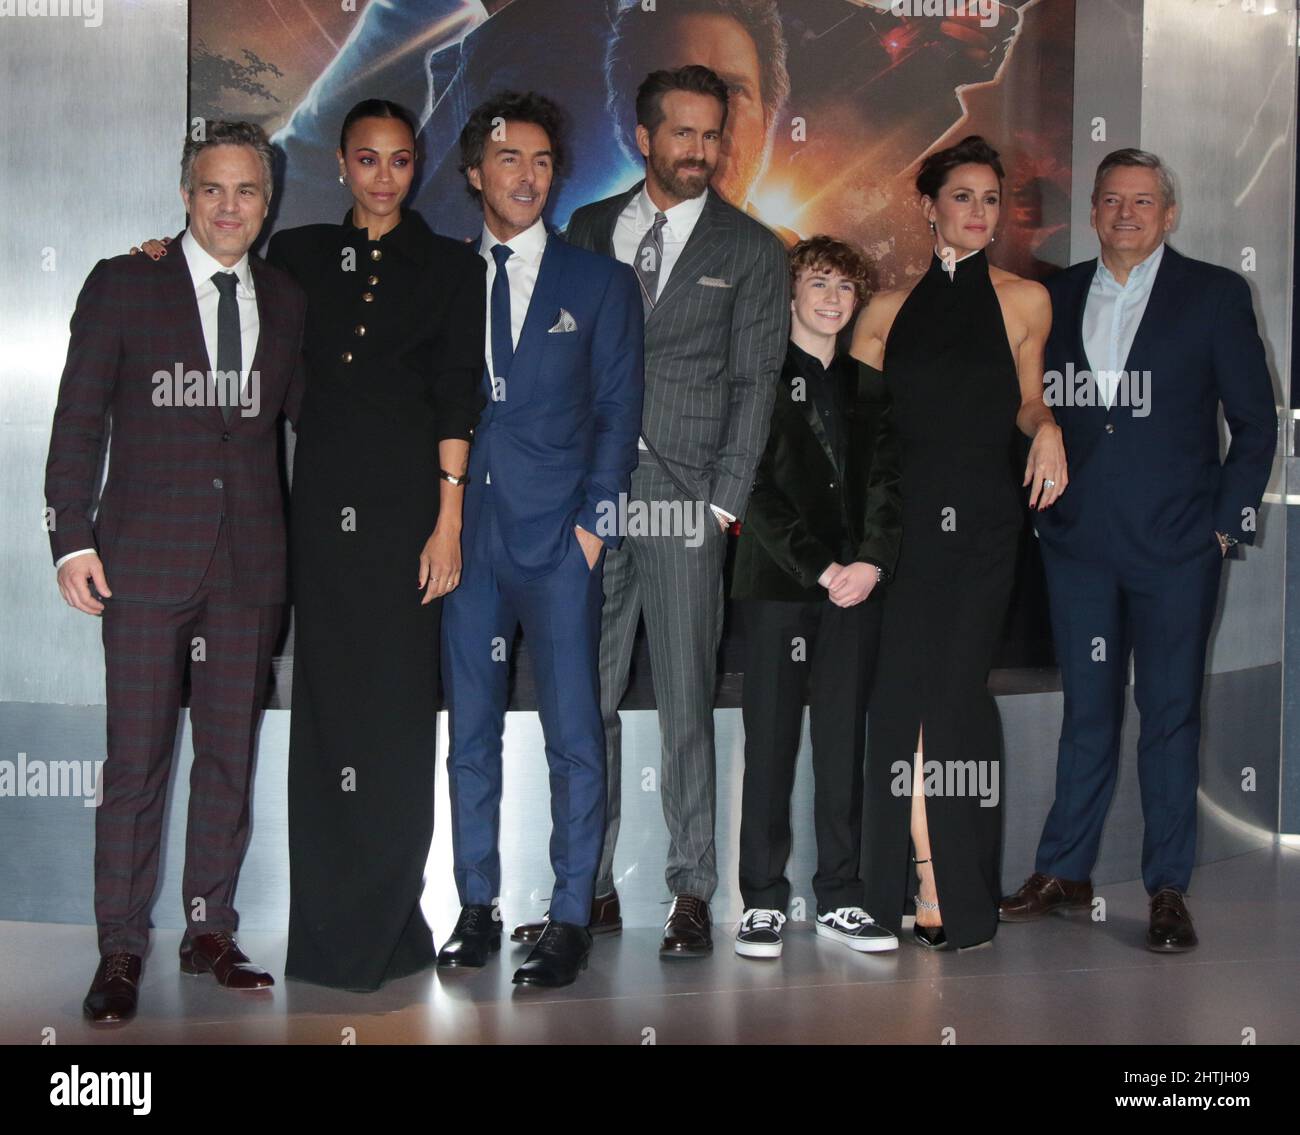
x=829, y=652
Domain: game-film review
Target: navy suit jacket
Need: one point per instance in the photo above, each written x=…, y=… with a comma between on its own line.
x=560, y=441
x=1153, y=486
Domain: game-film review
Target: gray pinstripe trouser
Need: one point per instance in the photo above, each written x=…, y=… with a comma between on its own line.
x=679, y=591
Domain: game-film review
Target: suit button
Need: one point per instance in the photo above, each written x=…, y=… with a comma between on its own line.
x=1110, y=427
x=372, y=281
x=359, y=330
x=367, y=297
x=225, y=437
x=346, y=356
x=375, y=254
x=218, y=483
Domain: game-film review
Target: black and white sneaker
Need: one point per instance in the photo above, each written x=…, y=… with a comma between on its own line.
x=759, y=933
x=856, y=929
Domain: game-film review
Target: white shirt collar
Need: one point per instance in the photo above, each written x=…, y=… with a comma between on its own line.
x=527, y=245
x=681, y=217
x=1141, y=273
x=203, y=266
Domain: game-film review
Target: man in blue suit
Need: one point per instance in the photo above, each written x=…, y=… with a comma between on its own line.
x=1146, y=344
x=551, y=457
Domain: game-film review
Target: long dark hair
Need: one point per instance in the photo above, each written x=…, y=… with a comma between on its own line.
x=375, y=108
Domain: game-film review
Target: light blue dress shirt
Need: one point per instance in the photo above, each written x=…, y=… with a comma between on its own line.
x=1111, y=316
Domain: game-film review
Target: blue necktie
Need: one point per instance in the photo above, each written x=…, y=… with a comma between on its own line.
x=503, y=347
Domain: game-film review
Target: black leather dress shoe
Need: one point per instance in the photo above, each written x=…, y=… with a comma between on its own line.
x=113, y=993
x=219, y=954
x=606, y=918
x=475, y=939
x=1171, y=930
x=688, y=933
x=559, y=956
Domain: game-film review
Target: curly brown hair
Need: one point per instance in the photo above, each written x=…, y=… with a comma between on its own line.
x=823, y=253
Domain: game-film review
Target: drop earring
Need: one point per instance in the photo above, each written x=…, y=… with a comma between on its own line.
x=342, y=180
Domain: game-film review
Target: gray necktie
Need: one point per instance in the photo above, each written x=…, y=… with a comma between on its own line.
x=649, y=259
x=230, y=355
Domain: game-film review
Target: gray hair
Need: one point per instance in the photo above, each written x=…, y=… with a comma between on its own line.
x=1142, y=158
x=228, y=134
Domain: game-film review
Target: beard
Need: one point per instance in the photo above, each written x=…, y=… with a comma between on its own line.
x=684, y=183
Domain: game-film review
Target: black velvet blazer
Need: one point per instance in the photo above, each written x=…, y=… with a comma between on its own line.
x=805, y=513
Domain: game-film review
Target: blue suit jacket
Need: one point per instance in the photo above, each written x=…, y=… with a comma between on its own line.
x=560, y=443
x=1153, y=487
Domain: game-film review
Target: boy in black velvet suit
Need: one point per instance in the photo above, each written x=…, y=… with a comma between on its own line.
x=820, y=534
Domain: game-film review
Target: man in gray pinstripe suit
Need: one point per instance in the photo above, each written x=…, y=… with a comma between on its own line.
x=715, y=291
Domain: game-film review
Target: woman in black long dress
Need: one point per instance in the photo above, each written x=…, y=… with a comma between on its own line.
x=962, y=355
x=394, y=357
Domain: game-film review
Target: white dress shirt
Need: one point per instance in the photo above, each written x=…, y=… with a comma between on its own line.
x=521, y=269
x=1111, y=315
x=638, y=216
x=634, y=222
x=202, y=266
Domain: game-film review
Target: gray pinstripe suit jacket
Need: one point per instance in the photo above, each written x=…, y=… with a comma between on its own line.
x=714, y=345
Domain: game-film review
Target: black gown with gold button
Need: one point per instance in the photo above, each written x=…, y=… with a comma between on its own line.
x=393, y=354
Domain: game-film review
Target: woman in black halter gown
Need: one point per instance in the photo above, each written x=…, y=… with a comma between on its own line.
x=961, y=352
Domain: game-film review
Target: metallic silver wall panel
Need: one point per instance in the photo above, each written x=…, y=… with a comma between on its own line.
x=46, y=844
x=94, y=119
x=1107, y=101
x=1219, y=105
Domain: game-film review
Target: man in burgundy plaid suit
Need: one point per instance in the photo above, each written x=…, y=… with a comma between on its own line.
x=193, y=359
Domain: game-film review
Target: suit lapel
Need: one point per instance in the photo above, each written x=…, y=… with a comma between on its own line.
x=814, y=419
x=708, y=235
x=543, y=310
x=193, y=352
x=1159, y=311
x=605, y=227
x=1080, y=301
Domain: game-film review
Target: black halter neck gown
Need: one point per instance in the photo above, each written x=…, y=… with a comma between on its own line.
x=952, y=377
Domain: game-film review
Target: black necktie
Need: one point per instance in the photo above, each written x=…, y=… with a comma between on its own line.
x=230, y=356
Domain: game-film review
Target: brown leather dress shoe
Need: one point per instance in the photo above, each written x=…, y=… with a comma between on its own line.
x=687, y=933
x=1170, y=931
x=606, y=918
x=113, y=993
x=1041, y=894
x=219, y=955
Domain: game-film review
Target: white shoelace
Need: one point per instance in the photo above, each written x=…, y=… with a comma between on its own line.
x=761, y=920
x=850, y=917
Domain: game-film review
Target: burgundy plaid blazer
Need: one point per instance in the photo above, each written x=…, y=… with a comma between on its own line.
x=174, y=470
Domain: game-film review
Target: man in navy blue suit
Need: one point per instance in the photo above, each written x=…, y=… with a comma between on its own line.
x=551, y=457
x=1146, y=345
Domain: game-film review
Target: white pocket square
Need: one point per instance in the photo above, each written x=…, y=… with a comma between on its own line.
x=713, y=282
x=566, y=322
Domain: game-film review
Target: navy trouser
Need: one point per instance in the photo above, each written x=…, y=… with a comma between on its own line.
x=1099, y=611
x=560, y=616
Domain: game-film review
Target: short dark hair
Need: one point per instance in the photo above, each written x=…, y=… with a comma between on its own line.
x=510, y=106
x=375, y=108
x=636, y=33
x=972, y=150
x=1143, y=159
x=692, y=78
x=823, y=253
x=221, y=133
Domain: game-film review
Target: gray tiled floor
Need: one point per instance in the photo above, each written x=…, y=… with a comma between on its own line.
x=1056, y=981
